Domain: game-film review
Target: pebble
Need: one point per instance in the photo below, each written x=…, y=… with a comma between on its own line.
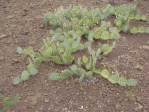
x=139, y=67
x=25, y=33
x=25, y=101
x=3, y=36
x=139, y=107
x=24, y=12
x=41, y=26
x=45, y=94
x=49, y=109
x=13, y=111
x=10, y=16
x=81, y=107
x=15, y=60
x=46, y=100
x=145, y=47
x=36, y=111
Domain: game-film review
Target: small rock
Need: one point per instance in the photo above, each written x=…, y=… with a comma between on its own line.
x=3, y=36
x=24, y=12
x=139, y=67
x=145, y=47
x=49, y=109
x=46, y=100
x=65, y=109
x=122, y=111
x=41, y=26
x=139, y=107
x=45, y=94
x=81, y=107
x=25, y=101
x=15, y=61
x=36, y=111
x=13, y=111
x=25, y=33
x=10, y=16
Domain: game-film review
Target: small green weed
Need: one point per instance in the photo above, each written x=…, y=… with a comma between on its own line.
x=7, y=102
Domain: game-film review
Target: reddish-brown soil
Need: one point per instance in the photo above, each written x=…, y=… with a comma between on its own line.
x=21, y=24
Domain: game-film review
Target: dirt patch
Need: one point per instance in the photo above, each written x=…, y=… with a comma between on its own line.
x=22, y=25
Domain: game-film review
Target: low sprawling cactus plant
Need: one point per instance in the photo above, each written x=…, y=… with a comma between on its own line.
x=76, y=28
